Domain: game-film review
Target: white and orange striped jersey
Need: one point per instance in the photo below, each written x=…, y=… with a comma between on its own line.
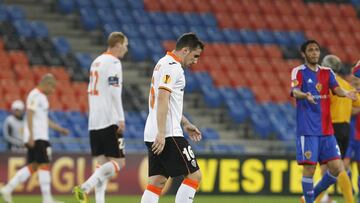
x=104, y=92
x=169, y=75
x=39, y=104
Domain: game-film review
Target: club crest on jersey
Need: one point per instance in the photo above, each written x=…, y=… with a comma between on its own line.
x=193, y=162
x=114, y=81
x=167, y=79
x=294, y=83
x=318, y=87
x=308, y=154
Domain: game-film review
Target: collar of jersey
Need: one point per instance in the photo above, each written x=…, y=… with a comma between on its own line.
x=109, y=53
x=173, y=55
x=317, y=68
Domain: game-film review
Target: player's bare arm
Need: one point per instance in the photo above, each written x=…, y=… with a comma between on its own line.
x=58, y=128
x=162, y=110
x=193, y=132
x=343, y=93
x=302, y=95
x=29, y=119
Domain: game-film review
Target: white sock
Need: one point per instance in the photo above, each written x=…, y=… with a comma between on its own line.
x=151, y=194
x=186, y=191
x=21, y=176
x=104, y=172
x=45, y=186
x=100, y=189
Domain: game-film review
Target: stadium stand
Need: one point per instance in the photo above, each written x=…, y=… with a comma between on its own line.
x=239, y=88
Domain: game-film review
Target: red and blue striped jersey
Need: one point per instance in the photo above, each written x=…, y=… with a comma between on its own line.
x=314, y=119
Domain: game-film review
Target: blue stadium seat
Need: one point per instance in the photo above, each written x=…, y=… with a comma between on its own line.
x=154, y=46
x=231, y=35
x=88, y=20
x=136, y=4
x=61, y=45
x=131, y=31
x=118, y=4
x=237, y=111
x=40, y=29
x=136, y=131
x=176, y=19
x=191, y=83
x=138, y=51
x=179, y=30
x=283, y=38
x=65, y=6
x=72, y=147
x=3, y=14
x=260, y=123
x=209, y=134
x=266, y=37
x=111, y=27
x=84, y=60
x=106, y=16
x=193, y=19
x=201, y=32
x=249, y=36
x=158, y=18
x=134, y=118
x=228, y=93
x=220, y=148
x=124, y=16
x=80, y=4
x=245, y=93
x=148, y=31
x=102, y=4
x=165, y=32
x=57, y=147
x=297, y=38
x=211, y=95
x=198, y=148
x=23, y=29
x=237, y=149
x=15, y=13
x=215, y=35
x=141, y=17
x=208, y=19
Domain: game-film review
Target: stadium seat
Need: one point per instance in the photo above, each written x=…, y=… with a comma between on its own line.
x=236, y=111
x=104, y=17
x=201, y=32
x=291, y=23
x=137, y=49
x=249, y=36
x=225, y=20
x=231, y=36
x=158, y=18
x=39, y=29
x=88, y=20
x=164, y=32
x=176, y=19
x=84, y=60
x=191, y=83
x=15, y=13
x=215, y=35
x=193, y=19
x=18, y=57
x=201, y=5
x=265, y=37
x=211, y=95
x=148, y=32
x=208, y=19
x=136, y=4
x=119, y=4
x=209, y=134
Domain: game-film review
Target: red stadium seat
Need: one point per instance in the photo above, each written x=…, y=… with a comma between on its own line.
x=169, y=7
x=338, y=50
x=255, y=50
x=283, y=8
x=200, y=66
x=257, y=21
x=225, y=20
x=277, y=94
x=298, y=8
x=261, y=93
x=5, y=62
x=290, y=22
x=25, y=87
x=2, y=46
x=330, y=38
x=316, y=9
x=306, y=22
x=262, y=64
x=284, y=78
x=252, y=77
x=220, y=78
x=313, y=34
x=347, y=10
x=7, y=74
x=353, y=54
x=347, y=38
x=55, y=103
x=60, y=73
x=269, y=79
x=39, y=72
x=245, y=64
x=275, y=22
x=234, y=6
x=250, y=7
x=357, y=37
x=267, y=7
x=241, y=20
x=354, y=24
x=292, y=63
x=340, y=25
x=280, y=65
x=272, y=51
x=18, y=57
x=221, y=49
x=217, y=7
x=83, y=102
x=80, y=88
x=186, y=6
x=10, y=97
x=228, y=63
x=322, y=24
x=238, y=50
x=152, y=5
x=332, y=10
x=236, y=78
x=202, y=5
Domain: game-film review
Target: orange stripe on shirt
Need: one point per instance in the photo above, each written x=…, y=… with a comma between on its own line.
x=154, y=189
x=165, y=88
x=117, y=169
x=45, y=167
x=192, y=183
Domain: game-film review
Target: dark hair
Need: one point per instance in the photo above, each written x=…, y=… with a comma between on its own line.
x=305, y=44
x=189, y=40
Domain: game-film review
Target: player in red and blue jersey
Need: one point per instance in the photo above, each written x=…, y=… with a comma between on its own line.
x=315, y=141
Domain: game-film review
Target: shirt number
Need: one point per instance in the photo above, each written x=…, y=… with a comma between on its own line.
x=94, y=77
x=188, y=153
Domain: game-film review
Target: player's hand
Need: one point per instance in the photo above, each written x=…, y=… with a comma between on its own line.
x=159, y=144
x=351, y=95
x=310, y=98
x=193, y=131
x=30, y=143
x=121, y=128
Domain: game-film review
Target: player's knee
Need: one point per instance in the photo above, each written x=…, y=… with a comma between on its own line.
x=195, y=176
x=309, y=170
x=158, y=181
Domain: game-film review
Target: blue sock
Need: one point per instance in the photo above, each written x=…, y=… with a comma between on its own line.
x=308, y=189
x=324, y=183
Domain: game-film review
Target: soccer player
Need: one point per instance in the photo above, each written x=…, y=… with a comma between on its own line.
x=106, y=118
x=36, y=139
x=169, y=153
x=340, y=109
x=13, y=127
x=315, y=142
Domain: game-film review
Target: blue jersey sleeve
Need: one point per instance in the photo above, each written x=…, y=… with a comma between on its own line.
x=332, y=80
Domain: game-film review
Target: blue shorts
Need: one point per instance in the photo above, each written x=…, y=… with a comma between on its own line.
x=353, y=151
x=311, y=149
